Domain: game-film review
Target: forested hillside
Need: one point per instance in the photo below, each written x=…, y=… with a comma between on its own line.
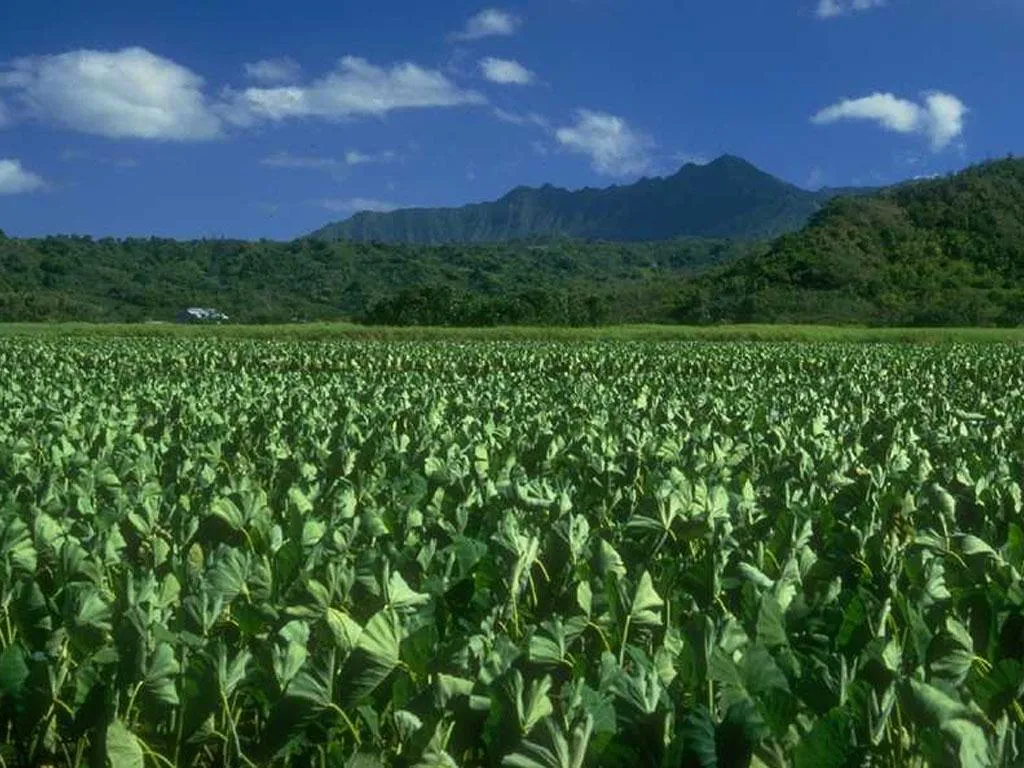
x=947, y=251
x=564, y=282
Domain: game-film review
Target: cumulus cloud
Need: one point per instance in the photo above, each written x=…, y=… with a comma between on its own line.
x=505, y=71
x=130, y=93
x=830, y=9
x=615, y=149
x=944, y=118
x=490, y=22
x=355, y=88
x=14, y=179
x=357, y=205
x=940, y=117
x=273, y=71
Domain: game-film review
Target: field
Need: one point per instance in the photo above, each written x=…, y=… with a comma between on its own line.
x=228, y=551
x=340, y=331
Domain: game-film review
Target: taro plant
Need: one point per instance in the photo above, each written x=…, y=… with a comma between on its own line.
x=229, y=553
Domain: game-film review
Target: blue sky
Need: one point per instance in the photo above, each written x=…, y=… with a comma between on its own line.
x=199, y=118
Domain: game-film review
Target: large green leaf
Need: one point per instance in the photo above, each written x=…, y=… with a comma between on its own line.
x=830, y=744
x=951, y=654
x=291, y=654
x=401, y=596
x=16, y=545
x=375, y=657
x=13, y=671
x=161, y=675
x=532, y=703
x=609, y=561
x=560, y=750
x=699, y=746
x=123, y=748
x=645, y=608
x=931, y=707
x=343, y=628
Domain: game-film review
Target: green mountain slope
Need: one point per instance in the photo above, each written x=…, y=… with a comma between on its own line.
x=728, y=198
x=79, y=278
x=942, y=252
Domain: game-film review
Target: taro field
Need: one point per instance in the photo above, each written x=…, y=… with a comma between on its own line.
x=537, y=555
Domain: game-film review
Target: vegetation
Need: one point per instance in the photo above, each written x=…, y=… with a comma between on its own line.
x=536, y=555
x=132, y=280
x=728, y=198
x=942, y=252
x=946, y=252
x=333, y=332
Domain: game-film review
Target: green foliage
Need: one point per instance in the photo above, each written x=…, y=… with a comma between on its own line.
x=557, y=283
x=233, y=553
x=442, y=306
x=945, y=252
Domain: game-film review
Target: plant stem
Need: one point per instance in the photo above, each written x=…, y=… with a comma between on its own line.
x=625, y=636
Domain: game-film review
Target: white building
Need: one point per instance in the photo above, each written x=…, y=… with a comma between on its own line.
x=201, y=315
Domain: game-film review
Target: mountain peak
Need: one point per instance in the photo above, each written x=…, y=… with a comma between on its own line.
x=734, y=163
x=728, y=159
x=727, y=198
x=724, y=165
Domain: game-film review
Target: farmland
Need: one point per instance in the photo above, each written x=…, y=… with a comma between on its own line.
x=227, y=551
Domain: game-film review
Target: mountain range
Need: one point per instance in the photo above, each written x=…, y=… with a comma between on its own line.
x=947, y=251
x=727, y=198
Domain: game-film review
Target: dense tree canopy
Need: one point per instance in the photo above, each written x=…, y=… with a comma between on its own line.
x=940, y=252
x=79, y=278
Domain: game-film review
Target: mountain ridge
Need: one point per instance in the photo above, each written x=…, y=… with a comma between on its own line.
x=727, y=198
x=942, y=251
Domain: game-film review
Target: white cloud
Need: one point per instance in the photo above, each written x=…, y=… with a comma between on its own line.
x=944, y=118
x=830, y=9
x=614, y=148
x=505, y=71
x=516, y=118
x=355, y=157
x=130, y=93
x=940, y=117
x=352, y=157
x=14, y=179
x=688, y=158
x=490, y=22
x=356, y=88
x=892, y=113
x=273, y=71
x=358, y=204
x=288, y=160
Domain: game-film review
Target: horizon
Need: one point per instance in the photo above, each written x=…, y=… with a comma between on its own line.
x=134, y=122
x=300, y=236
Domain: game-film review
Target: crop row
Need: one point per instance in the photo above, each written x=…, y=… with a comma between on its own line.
x=522, y=554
